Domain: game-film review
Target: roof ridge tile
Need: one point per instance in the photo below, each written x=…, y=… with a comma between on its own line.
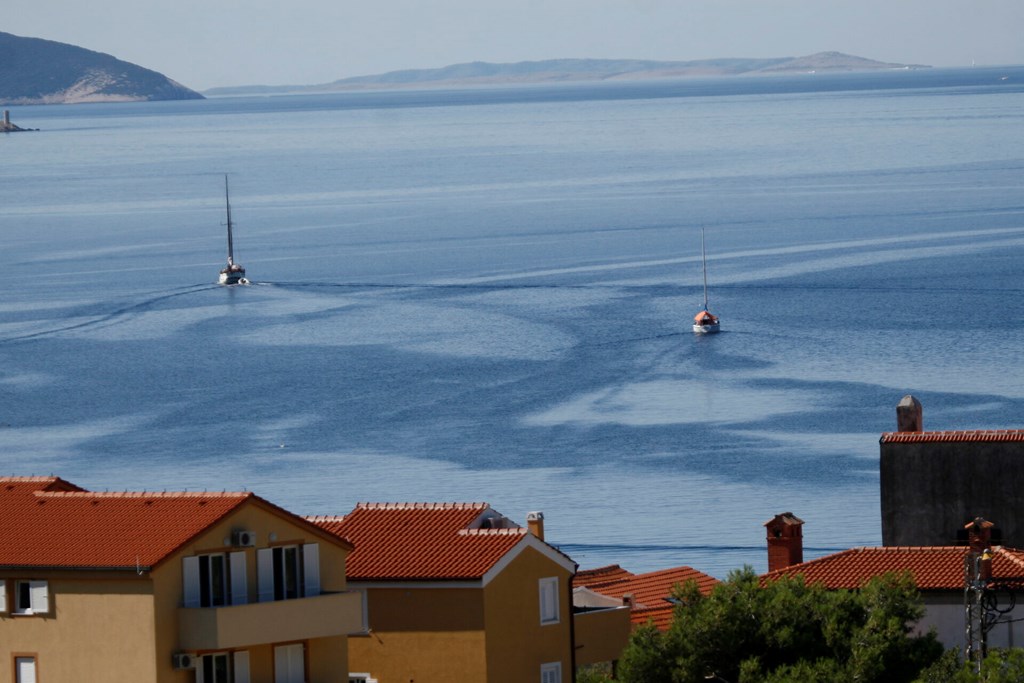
x=143, y=494
x=514, y=531
x=420, y=506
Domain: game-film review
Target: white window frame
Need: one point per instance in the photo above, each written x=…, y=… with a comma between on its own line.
x=201, y=666
x=549, y=602
x=38, y=597
x=237, y=666
x=278, y=565
x=234, y=581
x=30, y=673
x=551, y=672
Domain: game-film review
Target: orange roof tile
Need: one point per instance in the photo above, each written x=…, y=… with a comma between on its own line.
x=933, y=567
x=991, y=435
x=660, y=617
x=420, y=541
x=48, y=522
x=651, y=591
x=586, y=577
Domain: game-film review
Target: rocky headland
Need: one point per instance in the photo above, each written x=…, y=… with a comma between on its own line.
x=36, y=71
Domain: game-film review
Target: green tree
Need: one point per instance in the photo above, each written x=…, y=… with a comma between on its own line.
x=786, y=631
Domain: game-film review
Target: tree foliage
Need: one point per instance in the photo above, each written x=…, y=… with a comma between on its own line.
x=786, y=631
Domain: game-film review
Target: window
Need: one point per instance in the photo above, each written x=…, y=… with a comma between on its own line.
x=551, y=673
x=215, y=668
x=549, y=600
x=361, y=678
x=24, y=670
x=215, y=580
x=3, y=596
x=289, y=664
x=223, y=667
x=31, y=597
x=288, y=572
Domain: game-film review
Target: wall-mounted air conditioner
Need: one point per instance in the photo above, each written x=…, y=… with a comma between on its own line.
x=245, y=539
x=183, y=660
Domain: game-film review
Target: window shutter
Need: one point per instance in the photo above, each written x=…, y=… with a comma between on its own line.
x=242, y=666
x=549, y=600
x=551, y=673
x=190, y=581
x=3, y=596
x=296, y=664
x=265, y=574
x=311, y=568
x=199, y=669
x=289, y=665
x=281, y=664
x=25, y=669
x=39, y=597
x=239, y=579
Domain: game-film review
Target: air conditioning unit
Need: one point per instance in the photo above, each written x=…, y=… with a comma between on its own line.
x=245, y=539
x=183, y=660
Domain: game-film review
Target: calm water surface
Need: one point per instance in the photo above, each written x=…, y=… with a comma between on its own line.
x=487, y=295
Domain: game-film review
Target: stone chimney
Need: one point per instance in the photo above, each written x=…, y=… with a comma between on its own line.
x=535, y=524
x=909, y=416
x=785, y=541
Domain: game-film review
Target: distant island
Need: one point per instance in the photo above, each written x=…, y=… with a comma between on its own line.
x=570, y=70
x=36, y=71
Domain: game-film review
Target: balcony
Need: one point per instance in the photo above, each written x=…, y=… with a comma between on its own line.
x=235, y=626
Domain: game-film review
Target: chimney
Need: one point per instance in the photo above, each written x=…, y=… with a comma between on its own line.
x=629, y=600
x=979, y=534
x=785, y=541
x=535, y=524
x=909, y=416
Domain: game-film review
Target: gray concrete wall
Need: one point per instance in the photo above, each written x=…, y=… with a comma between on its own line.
x=929, y=491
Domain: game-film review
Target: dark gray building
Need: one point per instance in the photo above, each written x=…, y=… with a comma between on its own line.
x=934, y=483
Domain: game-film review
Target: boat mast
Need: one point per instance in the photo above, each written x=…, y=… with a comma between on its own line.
x=227, y=203
x=703, y=258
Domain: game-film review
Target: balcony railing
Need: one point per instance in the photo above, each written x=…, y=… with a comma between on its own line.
x=219, y=628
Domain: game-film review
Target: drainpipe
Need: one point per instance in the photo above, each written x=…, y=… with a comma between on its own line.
x=572, y=624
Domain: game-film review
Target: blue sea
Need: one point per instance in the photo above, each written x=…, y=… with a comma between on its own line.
x=487, y=294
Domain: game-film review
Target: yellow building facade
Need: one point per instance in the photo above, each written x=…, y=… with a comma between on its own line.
x=456, y=592
x=168, y=588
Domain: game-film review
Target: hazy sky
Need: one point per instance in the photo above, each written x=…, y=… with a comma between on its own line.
x=207, y=43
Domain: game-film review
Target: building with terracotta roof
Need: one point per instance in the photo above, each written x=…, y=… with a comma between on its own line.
x=457, y=592
x=649, y=596
x=167, y=587
x=950, y=578
x=933, y=483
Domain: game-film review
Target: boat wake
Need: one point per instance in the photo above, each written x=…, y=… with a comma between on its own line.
x=111, y=317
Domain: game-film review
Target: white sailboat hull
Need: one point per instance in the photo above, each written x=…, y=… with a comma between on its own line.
x=232, y=277
x=706, y=329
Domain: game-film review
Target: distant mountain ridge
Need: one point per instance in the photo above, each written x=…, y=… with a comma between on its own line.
x=37, y=71
x=564, y=70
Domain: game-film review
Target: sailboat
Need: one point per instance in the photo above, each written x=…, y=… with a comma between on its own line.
x=704, y=322
x=233, y=273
